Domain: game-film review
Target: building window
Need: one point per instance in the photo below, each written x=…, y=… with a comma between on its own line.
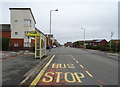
x=27, y=44
x=27, y=22
x=16, y=33
x=15, y=21
x=15, y=44
x=26, y=32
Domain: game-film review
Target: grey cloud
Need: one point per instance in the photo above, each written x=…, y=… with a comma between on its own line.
x=99, y=18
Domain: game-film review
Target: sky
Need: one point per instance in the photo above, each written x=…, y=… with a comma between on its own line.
x=98, y=17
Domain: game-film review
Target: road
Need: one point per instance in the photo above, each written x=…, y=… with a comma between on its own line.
x=71, y=66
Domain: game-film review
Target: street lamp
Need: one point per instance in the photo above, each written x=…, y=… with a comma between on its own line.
x=50, y=18
x=110, y=40
x=84, y=38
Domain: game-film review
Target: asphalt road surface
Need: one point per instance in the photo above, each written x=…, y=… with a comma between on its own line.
x=71, y=66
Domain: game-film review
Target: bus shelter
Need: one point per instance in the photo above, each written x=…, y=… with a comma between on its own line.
x=40, y=43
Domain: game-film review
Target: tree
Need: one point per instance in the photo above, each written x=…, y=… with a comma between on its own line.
x=115, y=47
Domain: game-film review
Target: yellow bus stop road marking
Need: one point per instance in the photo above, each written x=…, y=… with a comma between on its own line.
x=82, y=66
x=35, y=81
x=89, y=74
x=101, y=85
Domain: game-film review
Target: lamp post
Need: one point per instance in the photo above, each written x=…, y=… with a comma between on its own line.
x=50, y=18
x=84, y=38
x=50, y=27
x=111, y=40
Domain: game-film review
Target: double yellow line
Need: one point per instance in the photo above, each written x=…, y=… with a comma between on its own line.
x=35, y=81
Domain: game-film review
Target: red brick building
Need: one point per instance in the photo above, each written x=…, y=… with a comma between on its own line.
x=97, y=42
x=20, y=25
x=5, y=31
x=48, y=42
x=68, y=44
x=15, y=43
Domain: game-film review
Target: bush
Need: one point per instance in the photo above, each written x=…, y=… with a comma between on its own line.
x=95, y=47
x=102, y=48
x=89, y=47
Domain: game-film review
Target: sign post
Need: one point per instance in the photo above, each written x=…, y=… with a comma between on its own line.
x=116, y=42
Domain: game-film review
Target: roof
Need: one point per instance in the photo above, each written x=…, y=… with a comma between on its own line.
x=69, y=42
x=24, y=9
x=5, y=27
x=90, y=41
x=39, y=31
x=99, y=40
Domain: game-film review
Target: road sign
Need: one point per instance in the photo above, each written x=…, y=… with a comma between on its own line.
x=33, y=33
x=116, y=42
x=28, y=37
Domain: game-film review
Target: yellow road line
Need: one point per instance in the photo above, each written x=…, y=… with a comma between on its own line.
x=101, y=85
x=82, y=66
x=89, y=74
x=35, y=81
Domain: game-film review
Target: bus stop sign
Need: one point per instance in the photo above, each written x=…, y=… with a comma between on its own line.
x=116, y=42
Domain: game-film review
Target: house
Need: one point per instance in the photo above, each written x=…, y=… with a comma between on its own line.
x=5, y=36
x=21, y=22
x=50, y=40
x=5, y=31
x=68, y=44
x=96, y=42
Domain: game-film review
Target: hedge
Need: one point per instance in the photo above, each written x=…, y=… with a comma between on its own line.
x=102, y=48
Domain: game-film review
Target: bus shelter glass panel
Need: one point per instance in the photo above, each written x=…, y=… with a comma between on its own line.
x=37, y=48
x=43, y=46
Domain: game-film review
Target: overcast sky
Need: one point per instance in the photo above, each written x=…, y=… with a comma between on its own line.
x=98, y=17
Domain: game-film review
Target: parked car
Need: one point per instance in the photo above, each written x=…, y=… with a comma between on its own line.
x=54, y=46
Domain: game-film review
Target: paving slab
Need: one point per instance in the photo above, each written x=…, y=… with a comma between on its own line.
x=14, y=69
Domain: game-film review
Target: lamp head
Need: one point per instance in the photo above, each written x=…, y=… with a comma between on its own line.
x=56, y=10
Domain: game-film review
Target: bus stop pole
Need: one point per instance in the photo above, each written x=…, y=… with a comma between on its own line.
x=40, y=47
x=35, y=46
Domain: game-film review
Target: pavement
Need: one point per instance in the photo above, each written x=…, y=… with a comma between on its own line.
x=9, y=54
x=112, y=56
x=14, y=68
x=78, y=67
